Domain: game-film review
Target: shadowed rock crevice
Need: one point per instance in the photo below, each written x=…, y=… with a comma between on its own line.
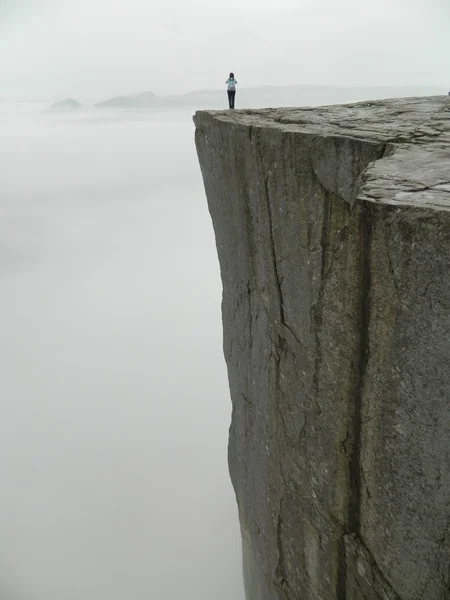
x=332, y=228
x=354, y=508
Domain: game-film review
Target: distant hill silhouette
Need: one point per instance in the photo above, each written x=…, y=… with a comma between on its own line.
x=67, y=105
x=143, y=100
x=259, y=97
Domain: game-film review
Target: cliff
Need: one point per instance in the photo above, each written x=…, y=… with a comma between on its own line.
x=333, y=233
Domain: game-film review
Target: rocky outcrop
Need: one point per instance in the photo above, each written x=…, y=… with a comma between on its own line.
x=333, y=233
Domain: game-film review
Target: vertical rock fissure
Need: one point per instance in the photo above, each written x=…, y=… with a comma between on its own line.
x=281, y=346
x=272, y=251
x=280, y=572
x=317, y=312
x=341, y=581
x=354, y=507
x=325, y=234
x=353, y=517
x=277, y=278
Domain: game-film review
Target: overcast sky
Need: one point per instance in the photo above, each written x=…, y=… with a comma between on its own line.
x=102, y=47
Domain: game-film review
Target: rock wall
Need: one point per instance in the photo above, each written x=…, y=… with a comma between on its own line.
x=333, y=233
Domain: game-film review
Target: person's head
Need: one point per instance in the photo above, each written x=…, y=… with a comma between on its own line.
x=231, y=75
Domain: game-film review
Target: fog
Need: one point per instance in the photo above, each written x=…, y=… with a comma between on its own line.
x=108, y=47
x=115, y=404
x=113, y=389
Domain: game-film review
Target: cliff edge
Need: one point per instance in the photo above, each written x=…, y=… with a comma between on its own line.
x=333, y=233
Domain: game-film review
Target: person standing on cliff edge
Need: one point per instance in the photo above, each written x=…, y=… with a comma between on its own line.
x=231, y=83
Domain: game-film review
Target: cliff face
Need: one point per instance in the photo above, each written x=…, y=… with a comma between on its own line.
x=333, y=233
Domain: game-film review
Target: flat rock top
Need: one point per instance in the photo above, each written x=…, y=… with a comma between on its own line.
x=417, y=170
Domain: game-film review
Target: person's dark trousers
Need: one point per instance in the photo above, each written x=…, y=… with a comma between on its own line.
x=231, y=96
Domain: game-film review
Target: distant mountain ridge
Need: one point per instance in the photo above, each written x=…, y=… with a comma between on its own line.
x=67, y=105
x=143, y=100
x=256, y=97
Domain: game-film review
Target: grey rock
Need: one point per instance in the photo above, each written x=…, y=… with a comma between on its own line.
x=333, y=234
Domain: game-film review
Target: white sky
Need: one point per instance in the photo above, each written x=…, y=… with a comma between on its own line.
x=102, y=47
